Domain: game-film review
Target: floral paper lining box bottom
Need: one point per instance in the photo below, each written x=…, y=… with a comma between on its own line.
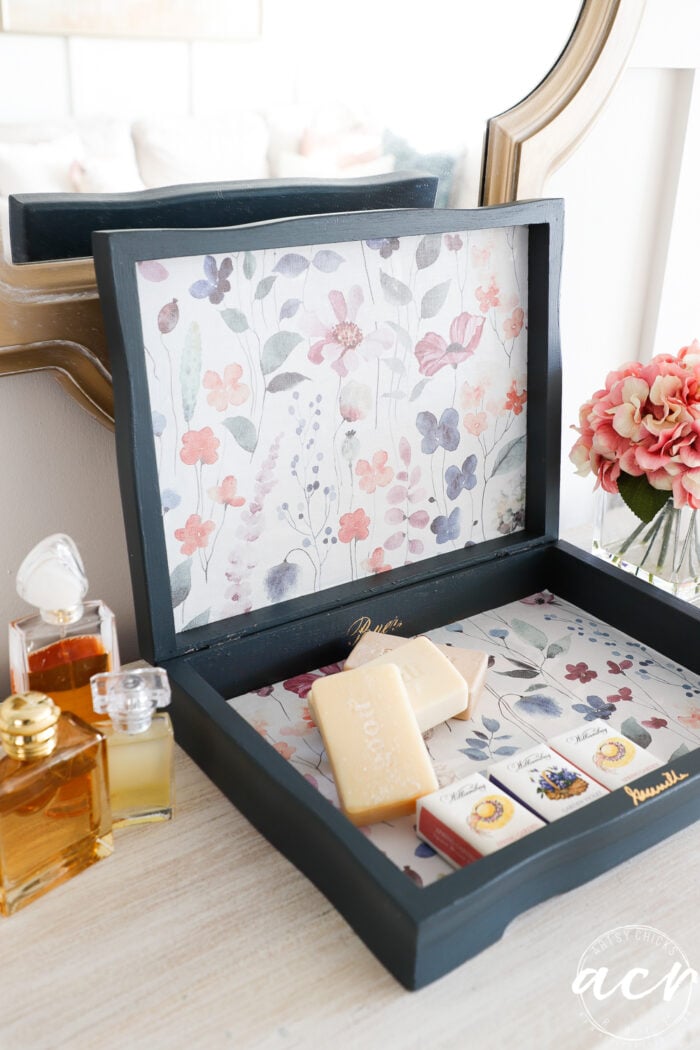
x=553, y=668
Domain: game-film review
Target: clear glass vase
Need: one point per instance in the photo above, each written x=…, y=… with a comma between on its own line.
x=664, y=551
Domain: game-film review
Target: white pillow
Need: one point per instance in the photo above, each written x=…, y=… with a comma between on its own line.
x=106, y=175
x=39, y=167
x=324, y=164
x=191, y=149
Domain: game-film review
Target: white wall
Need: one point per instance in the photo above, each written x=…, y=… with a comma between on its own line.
x=58, y=465
x=629, y=281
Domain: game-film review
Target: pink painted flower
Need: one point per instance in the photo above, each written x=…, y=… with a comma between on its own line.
x=618, y=668
x=375, y=562
x=433, y=353
x=481, y=256
x=624, y=693
x=692, y=721
x=541, y=598
x=512, y=326
x=199, y=445
x=489, y=297
x=345, y=343
x=655, y=723
x=306, y=715
x=580, y=672
x=353, y=526
x=226, y=391
x=260, y=726
x=226, y=493
x=284, y=749
x=301, y=683
x=194, y=535
x=453, y=242
x=476, y=423
x=515, y=400
x=375, y=474
x=471, y=396
x=355, y=402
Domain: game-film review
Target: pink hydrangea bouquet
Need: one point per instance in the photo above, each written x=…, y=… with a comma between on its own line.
x=640, y=435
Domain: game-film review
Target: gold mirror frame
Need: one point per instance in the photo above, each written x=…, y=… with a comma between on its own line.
x=50, y=316
x=527, y=143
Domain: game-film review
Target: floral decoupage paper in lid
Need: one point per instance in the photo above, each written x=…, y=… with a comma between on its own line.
x=326, y=413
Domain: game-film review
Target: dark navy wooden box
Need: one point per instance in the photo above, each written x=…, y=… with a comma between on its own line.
x=418, y=933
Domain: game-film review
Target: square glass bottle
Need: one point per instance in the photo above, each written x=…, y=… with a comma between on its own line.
x=57, y=650
x=140, y=743
x=55, y=817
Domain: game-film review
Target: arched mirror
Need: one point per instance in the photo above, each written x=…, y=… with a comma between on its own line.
x=279, y=90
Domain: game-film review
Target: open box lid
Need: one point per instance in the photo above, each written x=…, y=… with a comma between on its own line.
x=312, y=410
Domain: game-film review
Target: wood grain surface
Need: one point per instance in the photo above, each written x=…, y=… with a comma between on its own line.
x=197, y=935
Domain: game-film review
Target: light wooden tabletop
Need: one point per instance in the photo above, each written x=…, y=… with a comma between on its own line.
x=197, y=934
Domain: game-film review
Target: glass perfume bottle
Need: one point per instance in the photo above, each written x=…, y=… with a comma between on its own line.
x=140, y=743
x=58, y=649
x=55, y=817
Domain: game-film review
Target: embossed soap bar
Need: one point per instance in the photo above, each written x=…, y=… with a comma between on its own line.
x=436, y=690
x=379, y=761
x=545, y=782
x=606, y=756
x=470, y=663
x=470, y=819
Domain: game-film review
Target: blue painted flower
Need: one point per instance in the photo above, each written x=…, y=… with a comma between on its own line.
x=461, y=479
x=446, y=529
x=538, y=704
x=158, y=422
x=444, y=434
x=169, y=500
x=595, y=708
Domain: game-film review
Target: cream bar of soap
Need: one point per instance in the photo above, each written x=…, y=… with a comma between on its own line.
x=470, y=819
x=435, y=688
x=371, y=645
x=606, y=756
x=379, y=760
x=471, y=663
x=545, y=782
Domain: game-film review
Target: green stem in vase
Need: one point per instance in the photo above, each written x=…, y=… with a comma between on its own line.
x=667, y=518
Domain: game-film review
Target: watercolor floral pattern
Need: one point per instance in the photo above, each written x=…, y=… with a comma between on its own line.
x=326, y=413
x=551, y=668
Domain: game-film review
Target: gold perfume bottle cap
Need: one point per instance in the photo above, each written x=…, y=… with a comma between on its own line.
x=29, y=725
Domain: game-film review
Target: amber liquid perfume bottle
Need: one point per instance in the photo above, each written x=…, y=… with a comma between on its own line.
x=57, y=650
x=55, y=817
x=140, y=743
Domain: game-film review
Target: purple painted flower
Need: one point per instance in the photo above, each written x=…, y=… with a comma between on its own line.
x=384, y=245
x=446, y=528
x=444, y=434
x=458, y=480
x=215, y=281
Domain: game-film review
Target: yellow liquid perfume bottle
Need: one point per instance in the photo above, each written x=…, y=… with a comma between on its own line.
x=58, y=649
x=140, y=743
x=55, y=817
